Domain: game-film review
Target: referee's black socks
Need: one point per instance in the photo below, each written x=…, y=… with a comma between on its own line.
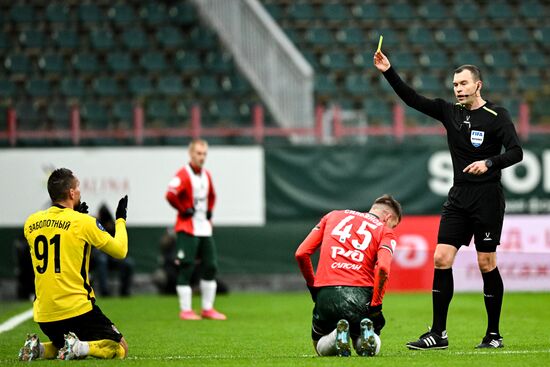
x=442, y=293
x=493, y=290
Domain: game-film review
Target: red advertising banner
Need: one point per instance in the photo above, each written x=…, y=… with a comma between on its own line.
x=523, y=257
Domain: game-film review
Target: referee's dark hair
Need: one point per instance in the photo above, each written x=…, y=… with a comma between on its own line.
x=476, y=73
x=59, y=183
x=394, y=205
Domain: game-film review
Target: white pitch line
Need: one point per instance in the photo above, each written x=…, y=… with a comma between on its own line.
x=15, y=321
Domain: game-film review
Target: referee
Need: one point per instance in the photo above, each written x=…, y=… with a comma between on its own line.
x=476, y=132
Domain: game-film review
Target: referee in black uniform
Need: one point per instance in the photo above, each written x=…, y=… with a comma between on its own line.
x=476, y=132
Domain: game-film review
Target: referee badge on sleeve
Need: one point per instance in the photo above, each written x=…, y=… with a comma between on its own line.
x=476, y=137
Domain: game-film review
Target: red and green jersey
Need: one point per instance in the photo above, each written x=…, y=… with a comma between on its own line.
x=352, y=245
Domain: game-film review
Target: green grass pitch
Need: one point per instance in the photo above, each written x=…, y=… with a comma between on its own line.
x=273, y=329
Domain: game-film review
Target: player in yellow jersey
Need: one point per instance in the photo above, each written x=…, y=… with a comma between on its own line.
x=60, y=240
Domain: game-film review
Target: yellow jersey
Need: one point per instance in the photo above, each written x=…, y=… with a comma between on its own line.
x=60, y=241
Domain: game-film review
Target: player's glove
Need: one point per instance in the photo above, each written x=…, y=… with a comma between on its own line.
x=209, y=214
x=82, y=208
x=122, y=208
x=313, y=291
x=187, y=212
x=374, y=313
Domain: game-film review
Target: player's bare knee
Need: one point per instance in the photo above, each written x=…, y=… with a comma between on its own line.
x=442, y=260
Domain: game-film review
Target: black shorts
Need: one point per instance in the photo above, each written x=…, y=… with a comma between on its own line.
x=473, y=210
x=92, y=325
x=335, y=303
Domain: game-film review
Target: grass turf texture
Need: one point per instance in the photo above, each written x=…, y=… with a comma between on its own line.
x=273, y=329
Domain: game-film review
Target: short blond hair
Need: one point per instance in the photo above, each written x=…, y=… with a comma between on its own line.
x=197, y=141
x=390, y=202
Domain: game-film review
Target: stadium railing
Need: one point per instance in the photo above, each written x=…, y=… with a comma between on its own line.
x=258, y=130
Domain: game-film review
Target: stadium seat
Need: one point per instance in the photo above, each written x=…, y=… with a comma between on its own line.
x=94, y=115
x=57, y=13
x=219, y=62
x=358, y=85
x=38, y=88
x=530, y=82
x=22, y=13
x=223, y=110
x=400, y=12
x=237, y=85
x=275, y=11
x=66, y=39
x=89, y=14
x=203, y=39
x=18, y=64
x=542, y=35
x=122, y=14
x=421, y=37
x=159, y=112
x=170, y=85
x=483, y=36
x=433, y=11
x=533, y=10
x=379, y=111
x=467, y=12
x=496, y=84
x=72, y=87
x=500, y=59
x=53, y=64
x=403, y=60
x=427, y=84
x=153, y=62
x=140, y=86
x=106, y=87
x=206, y=85
x=325, y=86
x=468, y=57
x=500, y=12
x=135, y=39
x=59, y=115
x=533, y=58
x=540, y=110
x=154, y=14
x=5, y=42
x=302, y=12
x=32, y=40
x=516, y=36
x=187, y=62
x=391, y=38
x=86, y=63
x=102, y=40
x=7, y=89
x=335, y=60
x=312, y=58
x=183, y=14
x=366, y=12
x=435, y=59
x=319, y=37
x=335, y=12
x=170, y=38
x=451, y=37
x=120, y=62
x=123, y=112
x=352, y=36
x=30, y=116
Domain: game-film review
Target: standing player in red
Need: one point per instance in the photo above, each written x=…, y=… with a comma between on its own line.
x=354, y=264
x=192, y=194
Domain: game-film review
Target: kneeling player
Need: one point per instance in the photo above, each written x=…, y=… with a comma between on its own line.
x=354, y=264
x=60, y=240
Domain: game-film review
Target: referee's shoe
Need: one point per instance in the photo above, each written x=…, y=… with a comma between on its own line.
x=491, y=340
x=430, y=340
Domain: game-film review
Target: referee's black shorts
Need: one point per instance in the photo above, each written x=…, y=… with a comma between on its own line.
x=473, y=210
x=92, y=325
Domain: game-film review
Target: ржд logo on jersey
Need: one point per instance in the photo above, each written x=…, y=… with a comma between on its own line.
x=476, y=137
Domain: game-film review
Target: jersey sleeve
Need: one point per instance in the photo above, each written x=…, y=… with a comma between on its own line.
x=507, y=134
x=432, y=107
x=383, y=264
x=94, y=233
x=176, y=187
x=310, y=244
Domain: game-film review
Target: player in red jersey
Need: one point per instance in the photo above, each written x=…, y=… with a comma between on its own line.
x=356, y=250
x=192, y=194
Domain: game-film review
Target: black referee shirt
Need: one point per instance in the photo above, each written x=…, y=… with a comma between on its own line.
x=472, y=135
